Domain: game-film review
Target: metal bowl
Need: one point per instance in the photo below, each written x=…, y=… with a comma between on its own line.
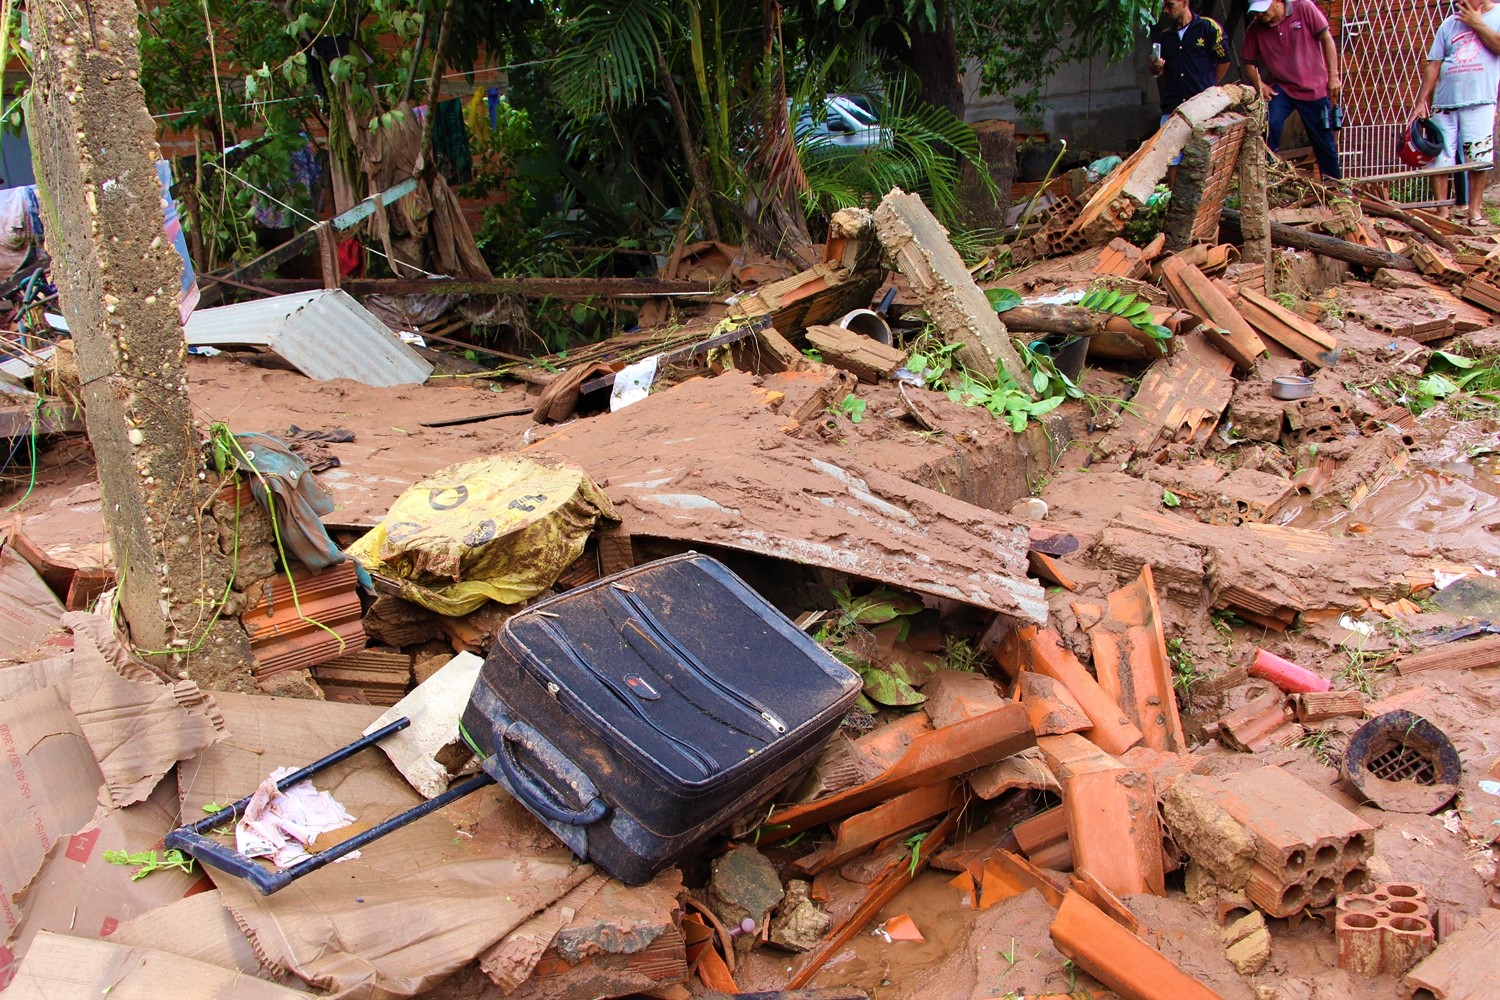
x=1292, y=387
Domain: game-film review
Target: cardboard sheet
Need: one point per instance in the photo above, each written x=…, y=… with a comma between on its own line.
x=47, y=790
x=136, y=724
x=197, y=927
x=60, y=966
x=421, y=903
x=77, y=892
x=28, y=609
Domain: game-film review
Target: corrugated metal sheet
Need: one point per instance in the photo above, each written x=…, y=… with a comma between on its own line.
x=324, y=333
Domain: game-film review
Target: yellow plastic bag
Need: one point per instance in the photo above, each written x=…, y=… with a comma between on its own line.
x=500, y=528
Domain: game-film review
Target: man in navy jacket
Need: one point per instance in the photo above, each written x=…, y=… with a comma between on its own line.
x=1190, y=55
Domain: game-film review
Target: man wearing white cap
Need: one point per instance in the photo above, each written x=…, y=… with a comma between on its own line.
x=1289, y=55
x=1459, y=82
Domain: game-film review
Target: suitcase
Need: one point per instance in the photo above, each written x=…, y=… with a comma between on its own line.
x=639, y=715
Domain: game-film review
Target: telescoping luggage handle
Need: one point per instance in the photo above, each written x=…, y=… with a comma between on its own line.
x=533, y=793
x=192, y=838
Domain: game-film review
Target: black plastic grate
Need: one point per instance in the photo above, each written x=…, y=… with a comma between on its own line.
x=1403, y=763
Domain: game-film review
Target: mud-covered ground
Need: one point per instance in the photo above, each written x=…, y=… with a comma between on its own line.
x=1441, y=510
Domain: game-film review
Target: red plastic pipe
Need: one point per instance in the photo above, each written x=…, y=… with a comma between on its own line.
x=1286, y=675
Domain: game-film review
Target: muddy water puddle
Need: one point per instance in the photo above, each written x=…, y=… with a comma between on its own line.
x=1452, y=489
x=883, y=967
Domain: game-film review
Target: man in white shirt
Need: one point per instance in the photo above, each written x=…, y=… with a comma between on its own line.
x=1459, y=83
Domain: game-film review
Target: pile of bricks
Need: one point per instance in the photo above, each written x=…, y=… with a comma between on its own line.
x=1385, y=931
x=1262, y=831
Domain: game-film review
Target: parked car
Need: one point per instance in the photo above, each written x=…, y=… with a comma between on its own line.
x=843, y=122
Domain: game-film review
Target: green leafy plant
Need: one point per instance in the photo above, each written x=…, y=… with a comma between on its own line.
x=1471, y=387
x=1150, y=218
x=960, y=654
x=915, y=843
x=146, y=862
x=889, y=685
x=1127, y=306
x=1185, y=675
x=999, y=393
x=1170, y=499
x=851, y=406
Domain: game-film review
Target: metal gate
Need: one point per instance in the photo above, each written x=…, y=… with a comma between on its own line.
x=1383, y=47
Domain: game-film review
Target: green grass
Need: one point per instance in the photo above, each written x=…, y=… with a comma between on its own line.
x=1361, y=671
x=1321, y=746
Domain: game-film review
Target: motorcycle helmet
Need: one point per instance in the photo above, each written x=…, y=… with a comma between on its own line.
x=1420, y=144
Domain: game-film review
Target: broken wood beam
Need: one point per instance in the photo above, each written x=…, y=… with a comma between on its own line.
x=570, y=289
x=916, y=243
x=868, y=359
x=1072, y=321
x=1329, y=246
x=932, y=757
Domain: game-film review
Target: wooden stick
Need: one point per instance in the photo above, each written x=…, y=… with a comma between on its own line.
x=1328, y=246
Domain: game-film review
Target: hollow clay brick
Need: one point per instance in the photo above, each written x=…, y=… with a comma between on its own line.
x=1288, y=820
x=1384, y=931
x=1466, y=965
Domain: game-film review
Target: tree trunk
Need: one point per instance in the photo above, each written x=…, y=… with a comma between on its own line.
x=1329, y=246
x=934, y=57
x=95, y=151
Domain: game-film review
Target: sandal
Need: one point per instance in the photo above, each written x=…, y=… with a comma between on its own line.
x=1480, y=222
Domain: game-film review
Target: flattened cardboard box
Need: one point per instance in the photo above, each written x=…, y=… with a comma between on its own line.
x=62, y=966
x=47, y=791
x=78, y=892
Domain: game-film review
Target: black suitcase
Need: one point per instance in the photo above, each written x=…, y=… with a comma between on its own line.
x=638, y=715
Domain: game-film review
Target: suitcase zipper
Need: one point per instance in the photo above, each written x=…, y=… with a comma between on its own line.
x=695, y=666
x=705, y=762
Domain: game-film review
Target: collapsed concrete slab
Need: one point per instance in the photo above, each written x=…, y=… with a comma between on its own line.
x=732, y=477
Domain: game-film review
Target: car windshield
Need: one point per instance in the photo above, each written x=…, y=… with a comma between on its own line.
x=854, y=110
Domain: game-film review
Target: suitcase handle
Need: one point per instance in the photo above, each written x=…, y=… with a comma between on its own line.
x=536, y=796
